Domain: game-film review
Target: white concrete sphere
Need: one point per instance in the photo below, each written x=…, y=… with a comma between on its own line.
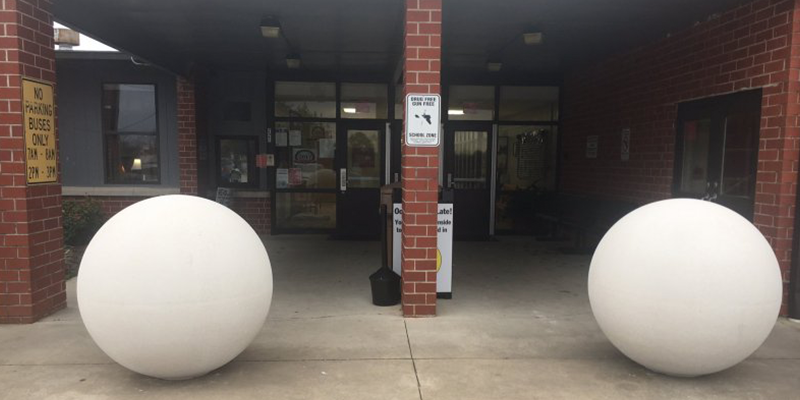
x=174, y=287
x=685, y=287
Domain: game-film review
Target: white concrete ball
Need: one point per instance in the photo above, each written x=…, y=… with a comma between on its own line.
x=174, y=287
x=685, y=287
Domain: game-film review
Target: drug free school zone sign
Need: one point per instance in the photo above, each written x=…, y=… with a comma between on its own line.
x=39, y=126
x=423, y=115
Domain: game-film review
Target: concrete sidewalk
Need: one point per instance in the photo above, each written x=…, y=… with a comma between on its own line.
x=519, y=326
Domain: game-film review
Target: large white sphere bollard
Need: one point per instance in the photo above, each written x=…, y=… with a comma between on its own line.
x=685, y=287
x=174, y=286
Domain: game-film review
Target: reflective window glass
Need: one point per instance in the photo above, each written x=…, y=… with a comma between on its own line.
x=526, y=164
x=306, y=210
x=129, y=108
x=474, y=103
x=694, y=172
x=305, y=99
x=365, y=101
x=236, y=161
x=528, y=103
x=304, y=155
x=470, y=165
x=129, y=121
x=740, y=154
x=363, y=159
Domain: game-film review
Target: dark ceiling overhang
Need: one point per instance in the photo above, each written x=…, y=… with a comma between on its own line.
x=355, y=36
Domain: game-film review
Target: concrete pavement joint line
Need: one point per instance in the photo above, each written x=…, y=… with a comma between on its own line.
x=327, y=317
x=413, y=363
x=322, y=360
x=55, y=364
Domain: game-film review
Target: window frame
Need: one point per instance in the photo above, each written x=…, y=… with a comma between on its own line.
x=105, y=134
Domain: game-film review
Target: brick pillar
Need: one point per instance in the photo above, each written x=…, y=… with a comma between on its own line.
x=420, y=165
x=187, y=137
x=31, y=237
x=779, y=154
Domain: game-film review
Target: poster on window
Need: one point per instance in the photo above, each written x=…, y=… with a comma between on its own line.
x=281, y=137
x=304, y=156
x=295, y=177
x=295, y=138
x=327, y=147
x=281, y=178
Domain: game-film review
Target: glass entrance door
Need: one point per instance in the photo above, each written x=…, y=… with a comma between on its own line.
x=361, y=174
x=467, y=171
x=717, y=150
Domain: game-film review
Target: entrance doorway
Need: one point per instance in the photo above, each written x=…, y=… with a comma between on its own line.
x=717, y=150
x=467, y=170
x=361, y=166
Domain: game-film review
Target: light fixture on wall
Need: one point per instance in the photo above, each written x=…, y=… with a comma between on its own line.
x=137, y=164
x=494, y=66
x=293, y=60
x=533, y=38
x=455, y=111
x=270, y=27
x=349, y=110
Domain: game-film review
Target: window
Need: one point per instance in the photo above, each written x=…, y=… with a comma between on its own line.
x=528, y=103
x=130, y=132
x=304, y=155
x=716, y=150
x=365, y=101
x=236, y=161
x=526, y=164
x=305, y=99
x=473, y=103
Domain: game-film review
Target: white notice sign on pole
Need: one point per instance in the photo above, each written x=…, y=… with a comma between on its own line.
x=444, y=244
x=423, y=114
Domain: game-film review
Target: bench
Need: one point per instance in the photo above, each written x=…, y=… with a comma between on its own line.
x=588, y=218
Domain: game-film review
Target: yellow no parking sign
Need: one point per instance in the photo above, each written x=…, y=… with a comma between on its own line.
x=38, y=110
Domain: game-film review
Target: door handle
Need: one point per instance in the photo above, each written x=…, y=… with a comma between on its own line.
x=449, y=180
x=712, y=189
x=343, y=179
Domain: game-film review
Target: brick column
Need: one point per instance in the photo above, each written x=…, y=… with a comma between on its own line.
x=779, y=149
x=31, y=237
x=187, y=136
x=420, y=165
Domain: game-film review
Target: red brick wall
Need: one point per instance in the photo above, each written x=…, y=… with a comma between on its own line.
x=751, y=46
x=420, y=165
x=256, y=211
x=31, y=238
x=187, y=137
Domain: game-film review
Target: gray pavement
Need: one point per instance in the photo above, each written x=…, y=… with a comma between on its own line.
x=519, y=326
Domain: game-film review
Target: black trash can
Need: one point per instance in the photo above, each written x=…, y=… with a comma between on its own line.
x=385, y=282
x=385, y=287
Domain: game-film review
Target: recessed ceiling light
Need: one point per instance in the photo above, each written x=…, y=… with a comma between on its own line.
x=454, y=111
x=270, y=27
x=533, y=38
x=349, y=110
x=494, y=66
x=293, y=61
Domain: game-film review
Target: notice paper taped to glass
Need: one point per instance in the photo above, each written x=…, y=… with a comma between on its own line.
x=423, y=114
